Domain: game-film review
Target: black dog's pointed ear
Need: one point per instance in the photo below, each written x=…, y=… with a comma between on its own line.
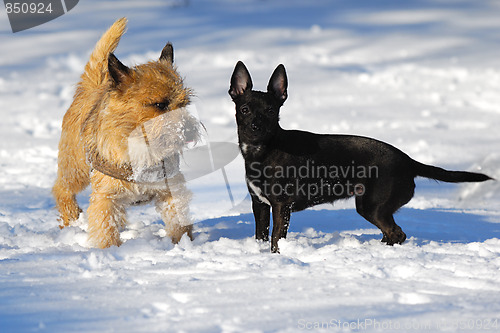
x=167, y=54
x=278, y=84
x=118, y=71
x=240, y=81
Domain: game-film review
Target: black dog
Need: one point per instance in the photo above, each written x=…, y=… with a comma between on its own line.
x=294, y=170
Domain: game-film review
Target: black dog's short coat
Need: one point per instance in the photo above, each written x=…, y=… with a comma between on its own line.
x=289, y=171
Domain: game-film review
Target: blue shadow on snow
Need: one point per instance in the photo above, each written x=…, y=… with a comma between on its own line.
x=424, y=225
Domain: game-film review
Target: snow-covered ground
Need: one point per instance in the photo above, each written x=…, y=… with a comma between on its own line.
x=421, y=75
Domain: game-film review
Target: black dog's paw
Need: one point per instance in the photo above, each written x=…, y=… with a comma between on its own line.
x=384, y=238
x=396, y=236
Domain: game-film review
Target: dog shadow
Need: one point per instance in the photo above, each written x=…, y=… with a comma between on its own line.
x=423, y=226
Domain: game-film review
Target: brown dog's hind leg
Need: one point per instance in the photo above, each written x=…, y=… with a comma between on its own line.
x=72, y=176
x=65, y=190
x=66, y=204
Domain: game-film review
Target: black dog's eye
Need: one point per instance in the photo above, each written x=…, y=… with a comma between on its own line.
x=245, y=109
x=162, y=106
x=270, y=110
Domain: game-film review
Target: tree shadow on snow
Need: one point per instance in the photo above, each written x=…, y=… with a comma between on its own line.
x=423, y=225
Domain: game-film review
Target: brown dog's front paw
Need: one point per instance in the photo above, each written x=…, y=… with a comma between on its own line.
x=177, y=233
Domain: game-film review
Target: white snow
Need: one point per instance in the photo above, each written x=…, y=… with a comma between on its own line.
x=421, y=75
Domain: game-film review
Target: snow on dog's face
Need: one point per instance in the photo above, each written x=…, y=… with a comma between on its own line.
x=154, y=146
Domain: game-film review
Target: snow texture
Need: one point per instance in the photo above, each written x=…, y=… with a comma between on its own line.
x=421, y=75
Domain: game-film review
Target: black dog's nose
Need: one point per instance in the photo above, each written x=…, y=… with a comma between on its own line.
x=255, y=127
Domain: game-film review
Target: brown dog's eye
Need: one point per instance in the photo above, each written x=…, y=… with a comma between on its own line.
x=244, y=109
x=161, y=106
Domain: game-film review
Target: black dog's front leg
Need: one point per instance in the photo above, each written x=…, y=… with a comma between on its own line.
x=281, y=220
x=261, y=213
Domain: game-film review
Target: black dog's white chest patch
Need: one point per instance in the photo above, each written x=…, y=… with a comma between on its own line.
x=249, y=149
x=258, y=192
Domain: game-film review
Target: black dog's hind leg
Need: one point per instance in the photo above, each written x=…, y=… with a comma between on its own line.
x=381, y=218
x=261, y=213
x=281, y=220
x=379, y=203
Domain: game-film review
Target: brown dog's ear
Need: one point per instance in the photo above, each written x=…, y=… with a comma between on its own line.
x=118, y=71
x=167, y=54
x=278, y=84
x=240, y=81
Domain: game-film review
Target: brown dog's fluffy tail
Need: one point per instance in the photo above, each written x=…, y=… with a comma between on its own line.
x=96, y=70
x=429, y=171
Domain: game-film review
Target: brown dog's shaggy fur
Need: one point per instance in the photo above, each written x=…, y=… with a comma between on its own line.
x=98, y=147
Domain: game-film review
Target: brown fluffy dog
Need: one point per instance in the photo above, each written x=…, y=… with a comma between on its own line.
x=123, y=123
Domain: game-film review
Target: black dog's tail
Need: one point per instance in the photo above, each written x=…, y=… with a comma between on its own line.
x=429, y=171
